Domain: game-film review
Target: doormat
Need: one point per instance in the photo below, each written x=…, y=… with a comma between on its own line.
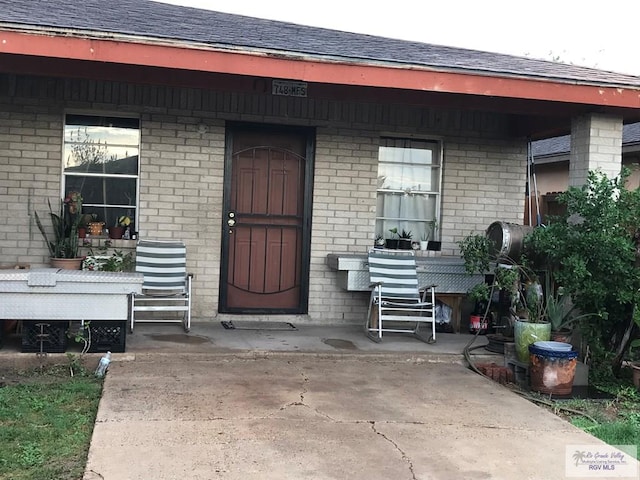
x=257, y=325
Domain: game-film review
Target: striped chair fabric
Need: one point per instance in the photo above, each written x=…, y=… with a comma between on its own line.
x=396, y=296
x=163, y=264
x=166, y=286
x=395, y=273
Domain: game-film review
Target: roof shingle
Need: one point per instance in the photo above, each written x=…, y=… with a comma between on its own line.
x=145, y=18
x=560, y=145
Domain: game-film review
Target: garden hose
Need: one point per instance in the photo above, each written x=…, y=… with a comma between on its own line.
x=467, y=355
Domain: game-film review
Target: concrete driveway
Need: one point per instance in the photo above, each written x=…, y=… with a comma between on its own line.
x=313, y=416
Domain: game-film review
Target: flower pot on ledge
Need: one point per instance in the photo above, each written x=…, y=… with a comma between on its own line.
x=67, y=263
x=116, y=232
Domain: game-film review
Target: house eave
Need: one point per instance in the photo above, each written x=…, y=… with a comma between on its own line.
x=236, y=60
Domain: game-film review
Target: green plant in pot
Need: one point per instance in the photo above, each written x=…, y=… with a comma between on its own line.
x=593, y=251
x=392, y=243
x=64, y=243
x=516, y=282
x=424, y=240
x=479, y=295
x=404, y=241
x=562, y=315
x=531, y=325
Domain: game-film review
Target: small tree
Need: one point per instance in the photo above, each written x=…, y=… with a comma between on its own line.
x=593, y=252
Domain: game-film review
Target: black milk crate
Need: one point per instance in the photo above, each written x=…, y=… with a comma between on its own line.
x=107, y=336
x=43, y=336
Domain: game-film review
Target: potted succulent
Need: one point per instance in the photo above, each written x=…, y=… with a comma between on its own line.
x=531, y=324
x=560, y=313
x=404, y=242
x=424, y=241
x=392, y=243
x=63, y=247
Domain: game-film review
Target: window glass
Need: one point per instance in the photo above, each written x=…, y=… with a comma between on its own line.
x=101, y=160
x=409, y=173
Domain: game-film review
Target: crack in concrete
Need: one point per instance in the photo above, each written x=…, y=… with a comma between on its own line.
x=92, y=475
x=397, y=447
x=301, y=402
x=305, y=381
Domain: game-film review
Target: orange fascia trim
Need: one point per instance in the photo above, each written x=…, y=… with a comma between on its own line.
x=209, y=59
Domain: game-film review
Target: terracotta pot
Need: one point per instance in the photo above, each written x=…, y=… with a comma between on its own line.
x=561, y=336
x=551, y=371
x=635, y=366
x=116, y=232
x=67, y=263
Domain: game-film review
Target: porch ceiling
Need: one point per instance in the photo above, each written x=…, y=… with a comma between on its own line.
x=539, y=107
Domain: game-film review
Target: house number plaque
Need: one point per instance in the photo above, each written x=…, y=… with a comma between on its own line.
x=289, y=89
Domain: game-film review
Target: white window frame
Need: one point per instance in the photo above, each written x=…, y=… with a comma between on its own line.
x=433, y=222
x=136, y=176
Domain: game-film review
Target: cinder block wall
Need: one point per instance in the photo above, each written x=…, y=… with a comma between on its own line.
x=182, y=171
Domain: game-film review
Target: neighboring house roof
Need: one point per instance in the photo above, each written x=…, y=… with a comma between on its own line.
x=562, y=145
x=152, y=20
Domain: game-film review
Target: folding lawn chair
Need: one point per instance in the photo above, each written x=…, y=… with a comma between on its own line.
x=166, y=286
x=397, y=303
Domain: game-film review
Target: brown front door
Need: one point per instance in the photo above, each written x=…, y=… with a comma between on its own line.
x=265, y=251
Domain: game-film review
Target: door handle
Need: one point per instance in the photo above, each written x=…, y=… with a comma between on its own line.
x=231, y=222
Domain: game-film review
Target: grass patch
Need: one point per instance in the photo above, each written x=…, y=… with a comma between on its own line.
x=615, y=421
x=618, y=420
x=46, y=422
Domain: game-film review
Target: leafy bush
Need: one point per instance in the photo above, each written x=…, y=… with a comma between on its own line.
x=593, y=252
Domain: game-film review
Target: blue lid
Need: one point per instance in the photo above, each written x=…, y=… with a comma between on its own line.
x=544, y=352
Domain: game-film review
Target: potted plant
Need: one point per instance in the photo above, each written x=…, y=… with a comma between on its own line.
x=433, y=245
x=561, y=314
x=392, y=243
x=404, y=241
x=63, y=248
x=116, y=262
x=517, y=283
x=531, y=324
x=424, y=241
x=480, y=295
x=378, y=241
x=117, y=231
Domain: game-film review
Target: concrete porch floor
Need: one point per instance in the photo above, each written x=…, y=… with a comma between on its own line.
x=211, y=338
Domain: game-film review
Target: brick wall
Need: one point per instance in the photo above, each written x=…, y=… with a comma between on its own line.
x=182, y=171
